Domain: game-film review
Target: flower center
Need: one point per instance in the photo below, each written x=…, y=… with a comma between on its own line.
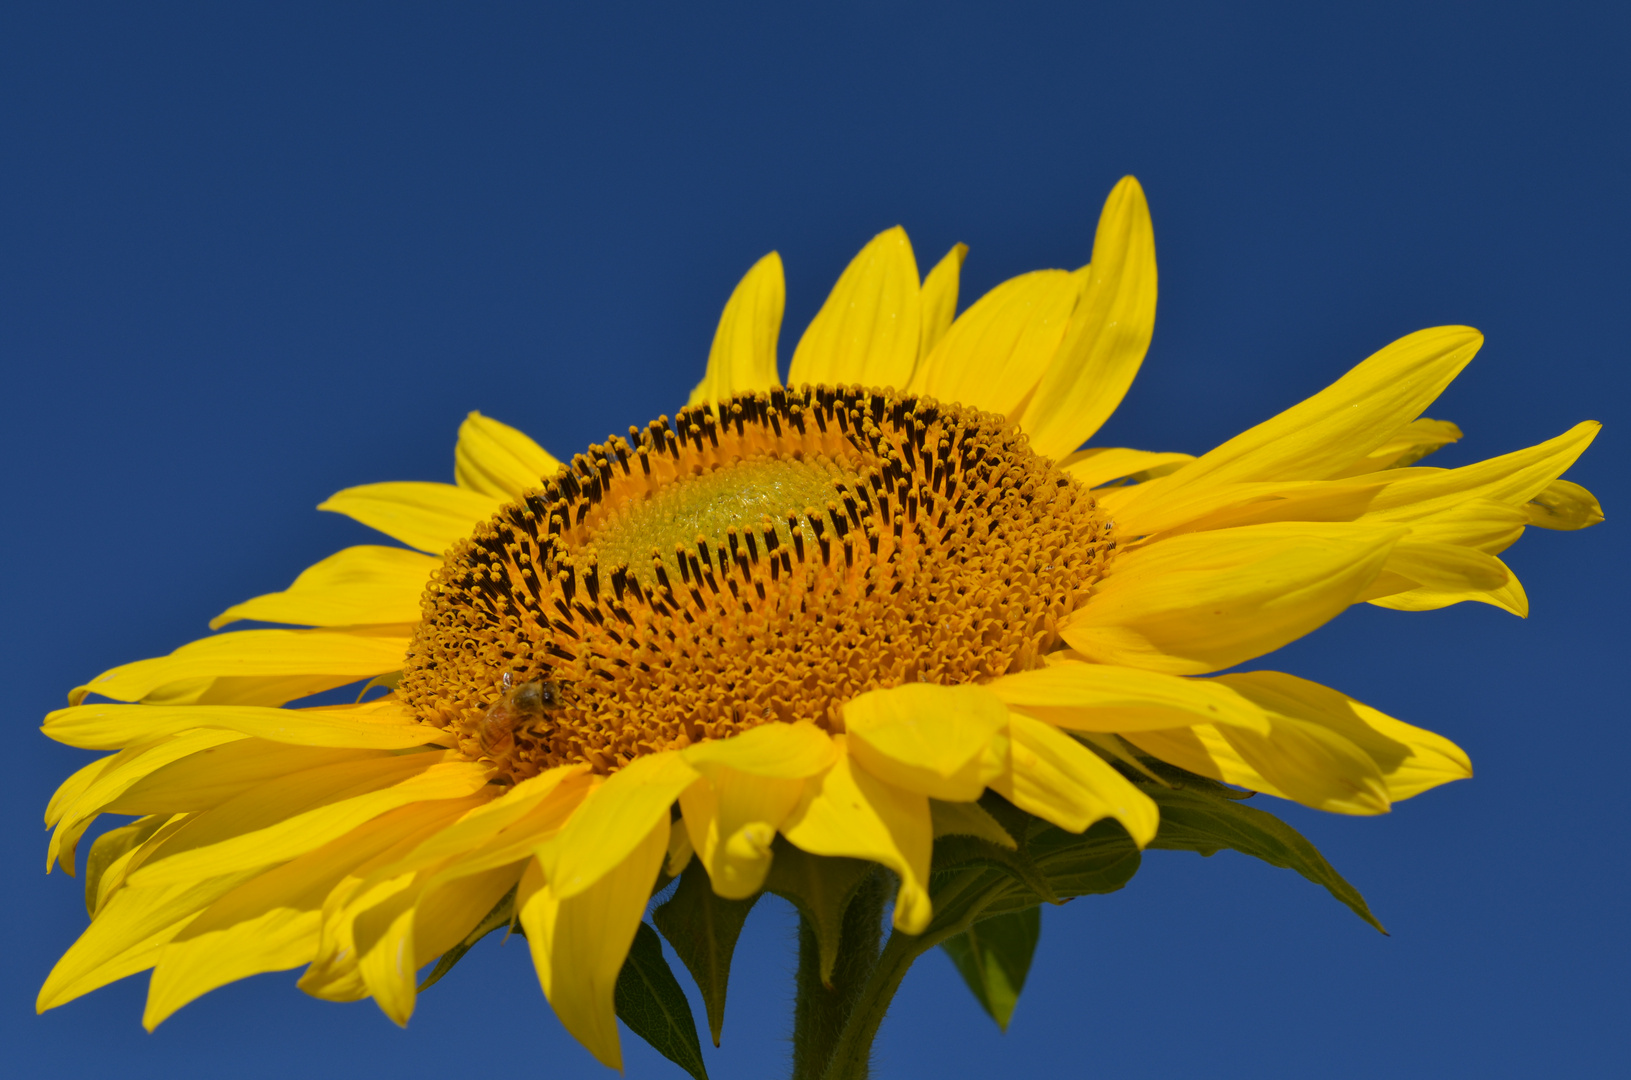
x=767, y=562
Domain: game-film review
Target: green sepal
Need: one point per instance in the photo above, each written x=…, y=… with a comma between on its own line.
x=649, y=1000
x=964, y=852
x=994, y=956
x=1100, y=860
x=702, y=928
x=113, y=845
x=821, y=887
x=502, y=915
x=1173, y=776
x=1046, y=865
x=1194, y=819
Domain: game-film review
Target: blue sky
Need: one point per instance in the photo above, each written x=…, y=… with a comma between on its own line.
x=250, y=255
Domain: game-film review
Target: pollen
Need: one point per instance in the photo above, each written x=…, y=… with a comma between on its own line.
x=762, y=561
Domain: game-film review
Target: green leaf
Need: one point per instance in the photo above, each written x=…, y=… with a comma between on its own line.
x=649, y=1000
x=702, y=928
x=820, y=886
x=503, y=914
x=994, y=956
x=1194, y=820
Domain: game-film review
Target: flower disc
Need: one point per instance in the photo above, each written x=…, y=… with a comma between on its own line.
x=766, y=563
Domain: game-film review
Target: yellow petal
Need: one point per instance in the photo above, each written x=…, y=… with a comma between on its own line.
x=1306, y=762
x=1410, y=759
x=1205, y=601
x=366, y=584
x=69, y=791
x=116, y=850
x=940, y=298
x=786, y=751
x=329, y=658
x=123, y=772
x=1407, y=446
x=1053, y=776
x=525, y=838
x=1223, y=506
x=579, y=942
x=614, y=819
x=422, y=515
x=1449, y=557
x=108, y=727
x=334, y=974
x=1102, y=698
x=267, y=690
x=1485, y=524
x=1508, y=597
x=751, y=782
x=868, y=330
x=993, y=357
x=308, y=810
x=1099, y=465
x=680, y=852
x=271, y=922
x=369, y=909
x=1108, y=334
x=1320, y=436
x=1314, y=765
x=1324, y=750
x=1202, y=750
x=925, y=738
x=416, y=925
x=452, y=906
x=483, y=825
x=851, y=812
x=1314, y=500
x=497, y=461
x=743, y=356
x=732, y=818
x=128, y=935
x=208, y=775
x=1563, y=504
x=1446, y=567
x=1513, y=479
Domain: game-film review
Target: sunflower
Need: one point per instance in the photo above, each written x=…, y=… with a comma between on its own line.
x=833, y=620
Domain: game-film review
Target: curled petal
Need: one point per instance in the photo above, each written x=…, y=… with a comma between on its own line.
x=928, y=739
x=579, y=942
x=851, y=812
x=1058, y=779
x=496, y=460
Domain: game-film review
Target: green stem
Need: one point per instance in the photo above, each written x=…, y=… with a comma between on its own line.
x=822, y=1013
x=851, y=1052
x=851, y=1055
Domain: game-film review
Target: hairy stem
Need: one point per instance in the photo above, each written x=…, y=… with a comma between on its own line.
x=851, y=1054
x=822, y=1013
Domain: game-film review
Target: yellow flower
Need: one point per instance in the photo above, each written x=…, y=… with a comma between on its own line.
x=838, y=611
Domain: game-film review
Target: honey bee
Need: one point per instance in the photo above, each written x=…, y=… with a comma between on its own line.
x=531, y=700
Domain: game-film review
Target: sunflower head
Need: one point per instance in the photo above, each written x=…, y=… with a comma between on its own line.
x=768, y=562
